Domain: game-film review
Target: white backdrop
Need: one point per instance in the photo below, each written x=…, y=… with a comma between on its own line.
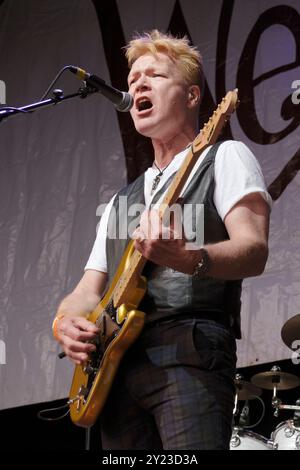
x=58, y=164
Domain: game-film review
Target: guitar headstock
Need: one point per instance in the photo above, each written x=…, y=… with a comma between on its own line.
x=210, y=131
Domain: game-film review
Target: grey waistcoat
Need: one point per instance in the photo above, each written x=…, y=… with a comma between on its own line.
x=171, y=292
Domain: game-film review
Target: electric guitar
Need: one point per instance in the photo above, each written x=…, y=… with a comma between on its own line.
x=117, y=315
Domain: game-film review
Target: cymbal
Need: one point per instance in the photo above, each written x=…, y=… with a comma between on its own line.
x=282, y=380
x=291, y=331
x=246, y=390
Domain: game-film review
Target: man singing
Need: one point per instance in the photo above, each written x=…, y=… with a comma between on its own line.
x=175, y=388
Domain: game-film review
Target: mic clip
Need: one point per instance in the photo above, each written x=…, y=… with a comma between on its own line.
x=86, y=90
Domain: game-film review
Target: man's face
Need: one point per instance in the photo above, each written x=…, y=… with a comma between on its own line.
x=160, y=97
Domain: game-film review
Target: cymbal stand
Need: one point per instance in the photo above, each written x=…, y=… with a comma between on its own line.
x=276, y=402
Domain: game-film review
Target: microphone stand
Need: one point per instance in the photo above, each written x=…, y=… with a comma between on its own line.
x=58, y=97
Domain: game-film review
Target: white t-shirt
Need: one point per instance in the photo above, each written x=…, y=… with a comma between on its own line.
x=236, y=171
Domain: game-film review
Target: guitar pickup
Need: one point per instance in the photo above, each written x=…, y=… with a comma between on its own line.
x=90, y=370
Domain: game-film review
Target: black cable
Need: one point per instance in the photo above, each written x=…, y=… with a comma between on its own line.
x=54, y=81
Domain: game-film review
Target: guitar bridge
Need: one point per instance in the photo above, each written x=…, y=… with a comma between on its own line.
x=81, y=397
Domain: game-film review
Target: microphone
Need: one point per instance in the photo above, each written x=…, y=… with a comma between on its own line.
x=122, y=100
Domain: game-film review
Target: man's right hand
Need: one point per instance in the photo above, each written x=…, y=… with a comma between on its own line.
x=73, y=331
x=75, y=335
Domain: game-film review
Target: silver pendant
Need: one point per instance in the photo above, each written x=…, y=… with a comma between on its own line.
x=155, y=183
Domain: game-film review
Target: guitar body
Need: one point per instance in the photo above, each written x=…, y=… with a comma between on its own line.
x=92, y=381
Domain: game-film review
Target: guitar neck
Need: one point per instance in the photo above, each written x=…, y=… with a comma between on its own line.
x=129, y=277
x=179, y=180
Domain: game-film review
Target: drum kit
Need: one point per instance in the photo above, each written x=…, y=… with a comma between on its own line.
x=286, y=435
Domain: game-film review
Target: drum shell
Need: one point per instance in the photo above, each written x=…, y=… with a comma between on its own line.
x=287, y=436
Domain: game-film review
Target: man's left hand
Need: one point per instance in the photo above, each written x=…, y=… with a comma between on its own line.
x=164, y=245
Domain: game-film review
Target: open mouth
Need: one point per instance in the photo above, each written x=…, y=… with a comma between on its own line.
x=144, y=104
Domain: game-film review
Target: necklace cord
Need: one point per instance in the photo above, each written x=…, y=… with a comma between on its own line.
x=161, y=171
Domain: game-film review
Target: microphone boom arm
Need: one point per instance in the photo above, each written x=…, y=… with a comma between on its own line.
x=8, y=111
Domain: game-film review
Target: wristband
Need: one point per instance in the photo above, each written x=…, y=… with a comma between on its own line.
x=55, y=324
x=203, y=266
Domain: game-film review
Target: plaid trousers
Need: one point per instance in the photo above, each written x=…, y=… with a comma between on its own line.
x=174, y=389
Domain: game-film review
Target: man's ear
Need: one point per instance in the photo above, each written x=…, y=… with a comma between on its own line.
x=193, y=96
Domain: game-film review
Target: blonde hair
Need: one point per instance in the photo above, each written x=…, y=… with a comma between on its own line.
x=187, y=57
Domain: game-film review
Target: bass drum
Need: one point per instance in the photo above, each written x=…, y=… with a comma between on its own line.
x=287, y=436
x=247, y=440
